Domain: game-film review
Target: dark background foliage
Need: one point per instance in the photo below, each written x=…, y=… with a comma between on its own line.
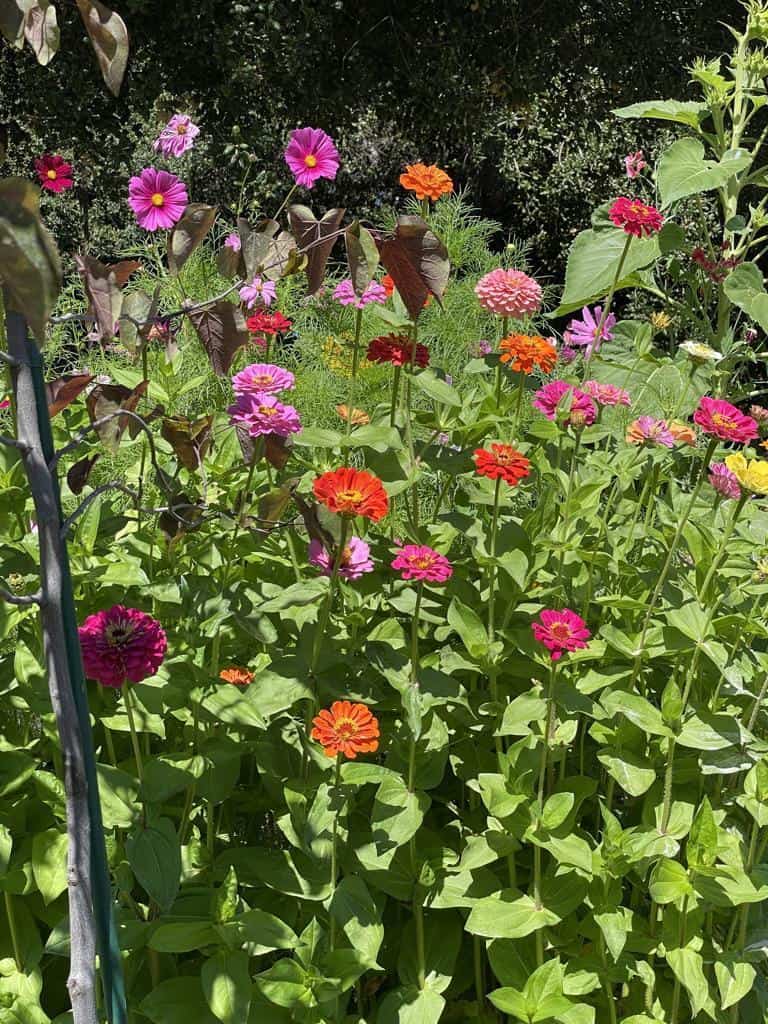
x=512, y=97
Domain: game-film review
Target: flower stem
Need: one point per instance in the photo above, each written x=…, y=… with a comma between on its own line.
x=285, y=202
x=326, y=609
x=493, y=674
x=395, y=393
x=567, y=506
x=13, y=932
x=540, y=805
x=608, y=302
x=334, y=847
x=727, y=533
x=355, y=365
x=127, y=701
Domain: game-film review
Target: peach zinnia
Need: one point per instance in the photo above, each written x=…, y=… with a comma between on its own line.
x=427, y=182
x=348, y=729
x=237, y=675
x=352, y=492
x=525, y=353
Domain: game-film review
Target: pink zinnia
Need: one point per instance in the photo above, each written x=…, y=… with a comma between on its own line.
x=310, y=155
x=157, y=198
x=262, y=378
x=646, y=429
x=509, y=293
x=585, y=331
x=724, y=481
x=177, y=137
x=355, y=559
x=635, y=218
x=232, y=241
x=121, y=645
x=607, y=394
x=258, y=291
x=54, y=172
x=262, y=414
x=721, y=419
x=561, y=631
x=419, y=562
x=344, y=293
x=634, y=163
x=5, y=403
x=548, y=398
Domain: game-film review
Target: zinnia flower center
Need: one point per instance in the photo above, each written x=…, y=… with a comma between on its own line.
x=503, y=458
x=310, y=160
x=158, y=199
x=424, y=562
x=723, y=421
x=267, y=410
x=560, y=631
x=181, y=129
x=264, y=379
x=117, y=634
x=52, y=174
x=345, y=728
x=348, y=499
x=637, y=208
x=346, y=556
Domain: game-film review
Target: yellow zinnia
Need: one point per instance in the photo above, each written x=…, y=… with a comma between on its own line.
x=752, y=474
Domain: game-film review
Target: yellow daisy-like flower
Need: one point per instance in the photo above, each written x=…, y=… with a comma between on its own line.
x=337, y=354
x=661, y=321
x=752, y=474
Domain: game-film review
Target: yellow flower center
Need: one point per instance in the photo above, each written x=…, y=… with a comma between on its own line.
x=723, y=421
x=637, y=208
x=310, y=160
x=181, y=129
x=264, y=379
x=348, y=499
x=560, y=631
x=267, y=410
x=346, y=556
x=52, y=175
x=345, y=728
x=158, y=199
x=424, y=562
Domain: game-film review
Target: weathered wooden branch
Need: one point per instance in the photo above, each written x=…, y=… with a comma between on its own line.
x=22, y=600
x=12, y=442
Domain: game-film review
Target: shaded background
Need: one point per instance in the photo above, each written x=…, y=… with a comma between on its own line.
x=512, y=98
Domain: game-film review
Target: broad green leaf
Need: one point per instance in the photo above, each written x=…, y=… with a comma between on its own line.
x=688, y=967
x=734, y=980
x=6, y=846
x=556, y=810
x=16, y=768
x=683, y=112
x=155, y=858
x=177, y=1001
x=397, y=814
x=616, y=925
x=409, y=1005
x=183, y=937
x=684, y=171
x=355, y=912
x=638, y=710
x=510, y=1000
x=118, y=792
x=470, y=628
x=262, y=931
x=701, y=848
x=286, y=983
x=745, y=287
x=226, y=983
x=436, y=388
x=49, y=863
x=669, y=881
x=633, y=774
x=442, y=942
x=519, y=713
x=508, y=918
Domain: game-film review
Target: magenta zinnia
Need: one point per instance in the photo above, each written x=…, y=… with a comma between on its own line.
x=588, y=332
x=635, y=218
x=606, y=394
x=508, y=293
x=262, y=378
x=561, y=632
x=177, y=137
x=311, y=155
x=121, y=645
x=548, y=398
x=157, y=198
x=262, y=414
x=54, y=173
x=721, y=419
x=419, y=562
x=355, y=559
x=724, y=481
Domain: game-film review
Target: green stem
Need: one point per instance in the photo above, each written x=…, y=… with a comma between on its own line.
x=681, y=943
x=284, y=203
x=567, y=507
x=609, y=298
x=334, y=848
x=395, y=393
x=355, y=364
x=477, y=950
x=493, y=673
x=519, y=404
x=668, y=778
x=215, y=654
x=727, y=533
x=326, y=609
x=127, y=701
x=14, y=933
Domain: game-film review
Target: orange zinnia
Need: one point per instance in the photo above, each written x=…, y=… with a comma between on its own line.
x=237, y=674
x=427, y=182
x=503, y=462
x=357, y=417
x=352, y=492
x=525, y=353
x=682, y=432
x=348, y=729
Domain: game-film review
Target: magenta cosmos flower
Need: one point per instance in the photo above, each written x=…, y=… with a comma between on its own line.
x=634, y=163
x=724, y=481
x=548, y=398
x=585, y=331
x=647, y=430
x=419, y=562
x=508, y=293
x=258, y=291
x=561, y=631
x=606, y=394
x=232, y=241
x=158, y=198
x=121, y=645
x=262, y=414
x=721, y=419
x=54, y=173
x=344, y=293
x=177, y=137
x=310, y=155
x=262, y=378
x=355, y=559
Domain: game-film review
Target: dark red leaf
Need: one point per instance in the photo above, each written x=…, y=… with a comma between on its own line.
x=417, y=261
x=77, y=475
x=64, y=390
x=190, y=439
x=222, y=331
x=320, y=235
x=109, y=398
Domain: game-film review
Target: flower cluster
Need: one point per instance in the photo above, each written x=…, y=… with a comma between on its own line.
x=345, y=294
x=565, y=403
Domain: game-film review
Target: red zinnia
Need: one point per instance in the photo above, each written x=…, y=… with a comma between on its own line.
x=346, y=728
x=635, y=217
x=397, y=349
x=121, y=645
x=54, y=172
x=502, y=461
x=352, y=492
x=264, y=322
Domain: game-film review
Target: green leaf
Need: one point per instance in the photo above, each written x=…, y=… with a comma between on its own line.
x=669, y=882
x=682, y=112
x=226, y=983
x=118, y=793
x=262, y=931
x=177, y=1001
x=638, y=710
x=285, y=984
x=436, y=388
x=6, y=846
x=684, y=171
x=16, y=768
x=520, y=712
x=701, y=848
x=510, y=1000
x=442, y=942
x=362, y=255
x=183, y=937
x=470, y=628
x=615, y=925
x=688, y=967
x=49, y=863
x=411, y=1005
x=734, y=979
x=556, y=810
x=633, y=773
x=506, y=917
x=358, y=916
x=745, y=288
x=397, y=814
x=155, y=858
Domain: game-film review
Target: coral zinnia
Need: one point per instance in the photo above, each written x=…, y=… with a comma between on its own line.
x=356, y=417
x=647, y=429
x=348, y=729
x=502, y=461
x=177, y=137
x=258, y=290
x=237, y=675
x=635, y=217
x=355, y=558
x=264, y=378
x=419, y=562
x=682, y=433
x=548, y=398
x=525, y=353
x=310, y=155
x=345, y=295
x=398, y=350
x=158, y=199
x=262, y=414
x=561, y=631
x=508, y=293
x=724, y=481
x=752, y=474
x=588, y=332
x=121, y=645
x=352, y=492
x=721, y=419
x=54, y=172
x=606, y=394
x=427, y=182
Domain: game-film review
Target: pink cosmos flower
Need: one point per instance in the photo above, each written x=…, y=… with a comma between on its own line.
x=157, y=198
x=561, y=631
x=310, y=155
x=634, y=163
x=724, y=481
x=585, y=331
x=5, y=403
x=53, y=172
x=647, y=430
x=121, y=645
x=232, y=241
x=508, y=293
x=262, y=414
x=355, y=559
x=548, y=398
x=177, y=137
x=262, y=378
x=344, y=293
x=258, y=291
x=607, y=394
x=721, y=419
x=419, y=562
